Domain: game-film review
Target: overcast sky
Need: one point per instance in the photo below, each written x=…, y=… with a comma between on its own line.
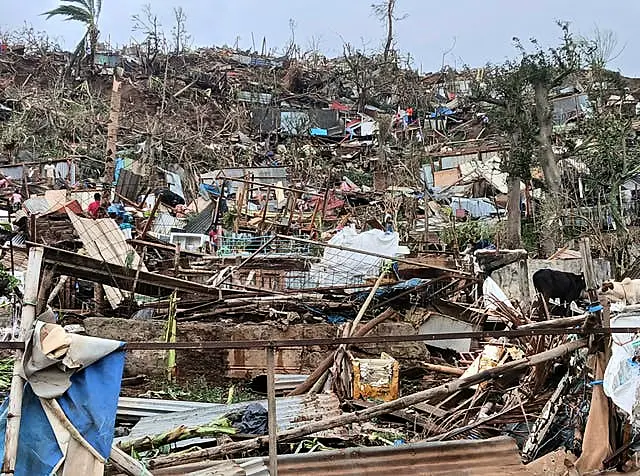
x=477, y=31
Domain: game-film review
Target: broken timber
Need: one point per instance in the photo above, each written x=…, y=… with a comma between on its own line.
x=149, y=284
x=368, y=414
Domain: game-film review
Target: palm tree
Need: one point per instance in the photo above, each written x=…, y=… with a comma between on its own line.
x=84, y=11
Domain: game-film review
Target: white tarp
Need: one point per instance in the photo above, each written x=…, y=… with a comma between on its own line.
x=622, y=376
x=492, y=293
x=343, y=268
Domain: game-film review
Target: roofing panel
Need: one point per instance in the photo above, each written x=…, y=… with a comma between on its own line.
x=444, y=178
x=291, y=412
x=468, y=457
x=494, y=456
x=202, y=221
x=103, y=240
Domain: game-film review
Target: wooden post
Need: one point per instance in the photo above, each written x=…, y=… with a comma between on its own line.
x=147, y=225
x=176, y=260
x=32, y=281
x=524, y=284
x=112, y=132
x=589, y=273
x=273, y=421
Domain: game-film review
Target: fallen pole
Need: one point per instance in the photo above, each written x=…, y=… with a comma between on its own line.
x=378, y=410
x=14, y=412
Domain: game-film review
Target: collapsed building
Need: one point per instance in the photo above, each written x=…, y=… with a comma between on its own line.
x=297, y=225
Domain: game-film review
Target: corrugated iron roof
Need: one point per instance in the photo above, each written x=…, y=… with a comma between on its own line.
x=202, y=222
x=494, y=456
x=291, y=412
x=129, y=407
x=455, y=458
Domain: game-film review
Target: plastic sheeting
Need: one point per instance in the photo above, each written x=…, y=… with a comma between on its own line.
x=492, y=293
x=90, y=404
x=342, y=268
x=622, y=376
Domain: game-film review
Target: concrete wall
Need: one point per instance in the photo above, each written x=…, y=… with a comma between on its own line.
x=507, y=277
x=215, y=366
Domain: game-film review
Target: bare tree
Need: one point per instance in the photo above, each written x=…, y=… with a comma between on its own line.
x=386, y=13
x=181, y=39
x=148, y=24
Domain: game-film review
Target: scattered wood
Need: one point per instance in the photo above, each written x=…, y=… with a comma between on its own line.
x=378, y=410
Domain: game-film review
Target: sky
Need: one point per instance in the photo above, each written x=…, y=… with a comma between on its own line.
x=463, y=32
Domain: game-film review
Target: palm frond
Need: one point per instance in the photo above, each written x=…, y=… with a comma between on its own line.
x=72, y=13
x=97, y=10
x=85, y=3
x=80, y=50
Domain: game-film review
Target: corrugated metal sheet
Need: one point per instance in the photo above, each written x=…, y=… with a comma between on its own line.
x=491, y=457
x=12, y=171
x=129, y=407
x=445, y=178
x=203, y=221
x=496, y=456
x=454, y=161
x=266, y=175
x=253, y=97
x=103, y=240
x=291, y=412
x=36, y=205
x=248, y=467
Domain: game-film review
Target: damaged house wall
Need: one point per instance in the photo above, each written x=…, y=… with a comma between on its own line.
x=508, y=277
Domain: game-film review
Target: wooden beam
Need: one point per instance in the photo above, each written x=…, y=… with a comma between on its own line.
x=150, y=284
x=273, y=421
x=376, y=411
x=14, y=412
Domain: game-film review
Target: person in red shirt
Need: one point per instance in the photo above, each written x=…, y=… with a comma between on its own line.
x=94, y=207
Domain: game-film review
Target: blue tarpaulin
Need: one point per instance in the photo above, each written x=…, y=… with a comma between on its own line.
x=90, y=404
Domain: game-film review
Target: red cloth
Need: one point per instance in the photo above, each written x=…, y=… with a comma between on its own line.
x=93, y=209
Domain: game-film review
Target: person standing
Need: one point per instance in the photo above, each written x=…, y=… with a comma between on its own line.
x=16, y=200
x=50, y=173
x=94, y=207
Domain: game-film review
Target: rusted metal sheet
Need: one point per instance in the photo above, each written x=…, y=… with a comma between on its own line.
x=456, y=458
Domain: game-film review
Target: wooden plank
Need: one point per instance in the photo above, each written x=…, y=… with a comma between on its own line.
x=125, y=463
x=14, y=412
x=273, y=422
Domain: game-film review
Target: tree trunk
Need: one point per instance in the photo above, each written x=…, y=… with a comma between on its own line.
x=548, y=159
x=551, y=235
x=387, y=47
x=513, y=238
x=93, y=45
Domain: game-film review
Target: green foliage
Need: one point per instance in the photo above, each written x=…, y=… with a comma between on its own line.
x=530, y=236
x=83, y=11
x=507, y=91
x=201, y=391
x=8, y=282
x=360, y=178
x=6, y=373
x=468, y=232
x=551, y=66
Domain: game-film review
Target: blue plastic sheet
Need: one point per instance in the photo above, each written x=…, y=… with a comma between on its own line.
x=90, y=404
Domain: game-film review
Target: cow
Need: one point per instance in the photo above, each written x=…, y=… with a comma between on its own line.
x=554, y=284
x=626, y=291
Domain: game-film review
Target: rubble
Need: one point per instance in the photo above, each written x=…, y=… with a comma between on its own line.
x=267, y=225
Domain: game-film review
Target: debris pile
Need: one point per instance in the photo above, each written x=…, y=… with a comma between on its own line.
x=306, y=228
